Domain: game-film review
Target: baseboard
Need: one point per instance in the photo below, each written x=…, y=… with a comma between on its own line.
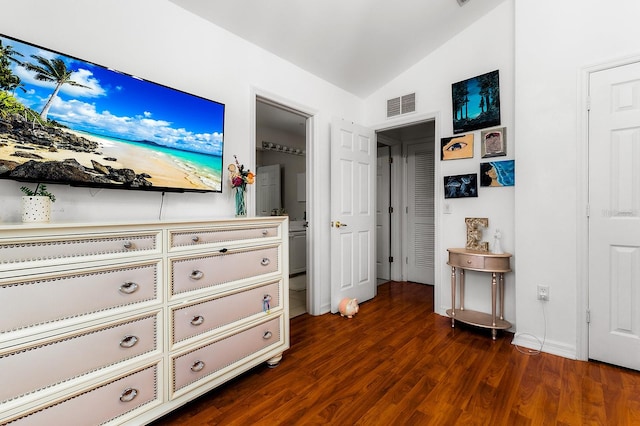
x=548, y=346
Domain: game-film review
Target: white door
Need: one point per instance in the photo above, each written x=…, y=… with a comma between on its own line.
x=614, y=221
x=383, y=204
x=421, y=213
x=353, y=172
x=267, y=189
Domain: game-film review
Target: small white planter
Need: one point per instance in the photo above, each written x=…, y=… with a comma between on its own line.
x=36, y=209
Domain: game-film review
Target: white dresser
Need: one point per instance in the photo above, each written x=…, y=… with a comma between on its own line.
x=122, y=323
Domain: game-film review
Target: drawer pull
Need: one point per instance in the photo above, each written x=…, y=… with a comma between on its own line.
x=265, y=261
x=128, y=245
x=128, y=288
x=195, y=238
x=197, y=366
x=128, y=341
x=223, y=250
x=197, y=320
x=128, y=395
x=265, y=232
x=196, y=275
x=468, y=262
x=267, y=335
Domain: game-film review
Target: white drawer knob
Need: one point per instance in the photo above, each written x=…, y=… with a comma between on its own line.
x=128, y=395
x=128, y=341
x=197, y=320
x=128, y=288
x=196, y=275
x=128, y=245
x=265, y=261
x=197, y=366
x=267, y=335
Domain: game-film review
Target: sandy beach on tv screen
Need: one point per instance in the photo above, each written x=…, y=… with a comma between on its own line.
x=164, y=171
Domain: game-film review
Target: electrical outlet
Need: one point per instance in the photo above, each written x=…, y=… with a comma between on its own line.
x=543, y=292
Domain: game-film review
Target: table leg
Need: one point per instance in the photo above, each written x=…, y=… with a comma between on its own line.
x=462, y=289
x=501, y=296
x=494, y=289
x=453, y=296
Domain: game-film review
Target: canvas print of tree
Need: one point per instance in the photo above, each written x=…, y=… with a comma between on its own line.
x=476, y=102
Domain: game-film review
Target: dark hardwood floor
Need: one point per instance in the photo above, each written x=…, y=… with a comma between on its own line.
x=398, y=363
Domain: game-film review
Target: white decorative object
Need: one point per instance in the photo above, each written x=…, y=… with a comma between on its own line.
x=497, y=247
x=36, y=208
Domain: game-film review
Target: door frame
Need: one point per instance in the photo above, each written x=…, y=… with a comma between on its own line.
x=582, y=219
x=439, y=254
x=313, y=273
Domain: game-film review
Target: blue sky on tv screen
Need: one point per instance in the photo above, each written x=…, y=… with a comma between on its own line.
x=121, y=106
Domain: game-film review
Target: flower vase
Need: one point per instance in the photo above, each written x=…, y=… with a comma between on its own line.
x=241, y=202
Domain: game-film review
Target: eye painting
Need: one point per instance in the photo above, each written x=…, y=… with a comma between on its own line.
x=456, y=147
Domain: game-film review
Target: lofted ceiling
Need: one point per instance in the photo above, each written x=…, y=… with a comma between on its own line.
x=357, y=45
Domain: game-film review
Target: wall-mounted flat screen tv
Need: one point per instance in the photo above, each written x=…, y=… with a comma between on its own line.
x=65, y=120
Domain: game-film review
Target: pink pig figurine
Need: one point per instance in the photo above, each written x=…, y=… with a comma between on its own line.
x=348, y=307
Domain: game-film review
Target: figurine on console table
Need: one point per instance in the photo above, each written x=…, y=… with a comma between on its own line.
x=497, y=247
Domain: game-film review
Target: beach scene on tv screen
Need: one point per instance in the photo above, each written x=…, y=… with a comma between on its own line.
x=66, y=120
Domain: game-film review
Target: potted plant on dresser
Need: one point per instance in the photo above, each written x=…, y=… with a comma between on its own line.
x=36, y=204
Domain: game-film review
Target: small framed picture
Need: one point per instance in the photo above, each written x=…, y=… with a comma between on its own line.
x=498, y=173
x=461, y=186
x=493, y=142
x=456, y=147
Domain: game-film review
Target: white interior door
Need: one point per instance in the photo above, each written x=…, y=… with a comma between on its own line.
x=614, y=222
x=268, y=189
x=421, y=213
x=353, y=172
x=383, y=225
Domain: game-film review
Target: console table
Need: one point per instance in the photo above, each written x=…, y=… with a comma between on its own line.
x=497, y=265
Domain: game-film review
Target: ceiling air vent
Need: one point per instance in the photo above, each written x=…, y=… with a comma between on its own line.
x=401, y=105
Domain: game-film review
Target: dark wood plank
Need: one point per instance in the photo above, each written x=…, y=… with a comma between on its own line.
x=397, y=362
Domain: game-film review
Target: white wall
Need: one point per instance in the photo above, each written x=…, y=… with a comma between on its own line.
x=485, y=46
x=158, y=41
x=555, y=42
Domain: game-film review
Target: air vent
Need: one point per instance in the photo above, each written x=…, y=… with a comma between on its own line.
x=401, y=105
x=393, y=107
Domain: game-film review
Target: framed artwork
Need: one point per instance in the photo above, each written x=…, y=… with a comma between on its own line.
x=498, y=173
x=476, y=102
x=456, y=147
x=493, y=143
x=461, y=186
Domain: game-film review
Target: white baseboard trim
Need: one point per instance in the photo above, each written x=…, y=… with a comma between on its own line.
x=555, y=348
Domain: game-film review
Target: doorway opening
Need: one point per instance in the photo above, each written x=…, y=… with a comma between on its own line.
x=406, y=226
x=281, y=151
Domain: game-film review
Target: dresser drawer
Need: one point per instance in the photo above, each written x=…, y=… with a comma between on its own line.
x=193, y=273
x=202, y=317
x=77, y=248
x=33, y=368
x=101, y=404
x=207, y=360
x=55, y=297
x=203, y=236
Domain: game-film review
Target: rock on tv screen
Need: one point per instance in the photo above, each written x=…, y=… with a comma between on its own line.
x=65, y=120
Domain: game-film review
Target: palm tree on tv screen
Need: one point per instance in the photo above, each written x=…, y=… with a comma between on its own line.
x=54, y=71
x=8, y=81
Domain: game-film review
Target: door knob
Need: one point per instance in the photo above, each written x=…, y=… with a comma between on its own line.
x=339, y=224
